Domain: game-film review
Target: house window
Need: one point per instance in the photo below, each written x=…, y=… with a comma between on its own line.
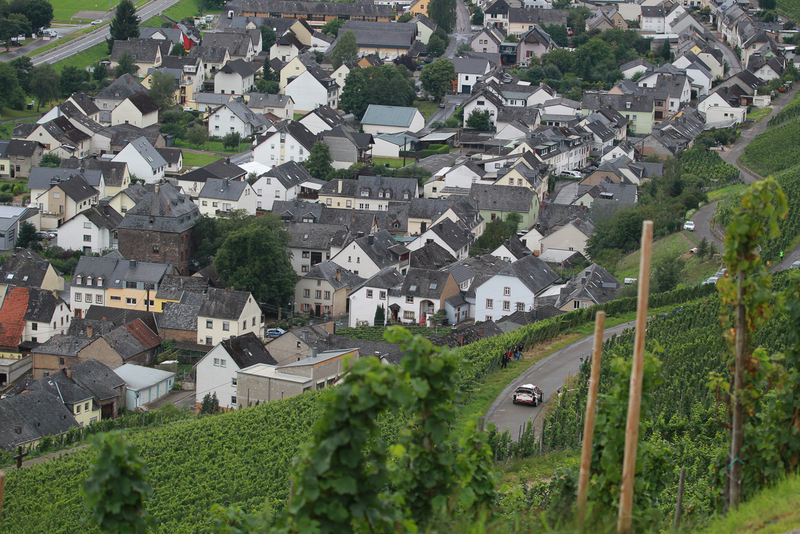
x=87, y=237
x=233, y=399
x=77, y=297
x=382, y=295
x=327, y=295
x=210, y=341
x=328, y=202
x=254, y=321
x=205, y=203
x=410, y=300
x=349, y=203
x=130, y=301
x=521, y=306
x=307, y=293
x=304, y=268
x=223, y=363
x=369, y=293
x=115, y=298
x=317, y=294
x=488, y=318
x=306, y=254
x=209, y=324
x=489, y=303
x=155, y=249
x=88, y=298
x=507, y=291
x=506, y=305
x=226, y=326
x=408, y=315
x=327, y=309
x=130, y=285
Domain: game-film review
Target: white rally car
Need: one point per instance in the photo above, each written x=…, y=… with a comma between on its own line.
x=528, y=394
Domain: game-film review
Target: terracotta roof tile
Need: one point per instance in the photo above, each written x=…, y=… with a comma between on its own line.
x=12, y=316
x=143, y=335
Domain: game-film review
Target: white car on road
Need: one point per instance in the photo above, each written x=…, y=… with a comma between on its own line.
x=689, y=225
x=528, y=394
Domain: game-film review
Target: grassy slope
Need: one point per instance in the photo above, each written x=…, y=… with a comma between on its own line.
x=791, y=8
x=85, y=58
x=774, y=510
x=695, y=271
x=64, y=9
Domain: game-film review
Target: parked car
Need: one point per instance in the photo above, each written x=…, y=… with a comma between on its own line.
x=528, y=394
x=712, y=280
x=95, y=22
x=796, y=265
x=275, y=332
x=572, y=174
x=689, y=225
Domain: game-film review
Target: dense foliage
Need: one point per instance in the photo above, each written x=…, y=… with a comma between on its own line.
x=375, y=333
x=386, y=85
x=763, y=155
x=124, y=25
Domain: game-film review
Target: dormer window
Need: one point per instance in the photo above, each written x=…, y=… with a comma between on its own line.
x=88, y=280
x=380, y=194
x=405, y=196
x=78, y=279
x=100, y=282
x=364, y=193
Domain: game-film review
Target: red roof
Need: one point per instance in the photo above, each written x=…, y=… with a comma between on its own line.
x=12, y=316
x=143, y=334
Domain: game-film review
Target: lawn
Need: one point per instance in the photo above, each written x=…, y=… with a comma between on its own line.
x=722, y=192
x=759, y=114
x=6, y=129
x=64, y=9
x=426, y=107
x=194, y=159
x=186, y=9
x=394, y=163
x=154, y=22
x=82, y=60
x=7, y=113
x=213, y=146
x=695, y=271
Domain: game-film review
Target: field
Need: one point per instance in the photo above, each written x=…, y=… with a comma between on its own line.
x=695, y=271
x=759, y=114
x=211, y=146
x=195, y=159
x=394, y=163
x=186, y=9
x=426, y=107
x=85, y=58
x=64, y=9
x=791, y=8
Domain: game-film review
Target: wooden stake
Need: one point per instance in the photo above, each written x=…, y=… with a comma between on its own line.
x=2, y=489
x=679, y=504
x=635, y=396
x=588, y=426
x=737, y=430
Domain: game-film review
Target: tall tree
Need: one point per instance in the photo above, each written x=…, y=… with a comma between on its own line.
x=23, y=23
x=346, y=49
x=443, y=13
x=437, y=77
x=332, y=27
x=196, y=135
x=39, y=13
x=319, y=162
x=178, y=50
x=436, y=46
x=124, y=24
x=162, y=90
x=73, y=80
x=256, y=259
x=125, y=65
x=23, y=66
x=8, y=83
x=27, y=236
x=268, y=37
x=45, y=83
x=479, y=120
x=8, y=28
x=355, y=95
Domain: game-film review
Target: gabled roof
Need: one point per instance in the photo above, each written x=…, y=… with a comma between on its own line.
x=386, y=278
x=113, y=171
x=85, y=102
x=337, y=276
x=327, y=115
x=224, y=303
x=179, y=316
x=62, y=386
x=12, y=316
x=97, y=378
x=162, y=210
x=42, y=305
x=289, y=174
x=373, y=188
x=222, y=168
x=149, y=154
x=138, y=377
x=114, y=271
x=357, y=139
x=124, y=134
x=452, y=234
x=316, y=236
x=354, y=220
x=431, y=256
x=31, y=416
x=266, y=100
x=297, y=211
x=422, y=283
x=247, y=350
x=170, y=155
x=142, y=50
x=77, y=188
x=380, y=34
x=238, y=66
x=25, y=268
x=143, y=103
x=381, y=248
x=21, y=147
x=217, y=189
x=62, y=345
x=533, y=272
x=396, y=116
x=297, y=130
x=593, y=283
x=471, y=66
x=502, y=197
x=208, y=53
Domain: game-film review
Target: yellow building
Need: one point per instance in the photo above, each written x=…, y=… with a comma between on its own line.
x=419, y=7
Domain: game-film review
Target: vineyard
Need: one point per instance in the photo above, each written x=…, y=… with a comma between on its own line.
x=775, y=150
x=375, y=333
x=710, y=166
x=790, y=112
x=240, y=458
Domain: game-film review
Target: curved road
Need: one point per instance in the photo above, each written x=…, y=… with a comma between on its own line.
x=549, y=374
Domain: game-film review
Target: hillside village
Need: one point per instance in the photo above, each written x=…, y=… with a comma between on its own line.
x=369, y=245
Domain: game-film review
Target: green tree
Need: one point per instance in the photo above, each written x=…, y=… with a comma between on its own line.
x=23, y=24
x=380, y=315
x=767, y=4
x=178, y=50
x=319, y=162
x=100, y=71
x=196, y=135
x=27, y=236
x=73, y=80
x=346, y=49
x=232, y=140
x=443, y=13
x=8, y=82
x=39, y=13
x=333, y=26
x=666, y=51
x=355, y=95
x=256, y=259
x=494, y=234
x=117, y=490
x=561, y=58
x=23, y=66
x=558, y=32
x=437, y=77
x=480, y=120
x=8, y=28
x=162, y=90
x=125, y=65
x=50, y=160
x=268, y=37
x=436, y=46
x=667, y=273
x=124, y=24
x=44, y=83
x=702, y=248
x=477, y=16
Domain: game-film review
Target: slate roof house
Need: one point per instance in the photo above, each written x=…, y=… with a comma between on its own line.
x=131, y=343
x=514, y=288
x=348, y=146
x=143, y=160
x=159, y=229
x=593, y=285
x=500, y=200
x=323, y=290
x=391, y=119
x=367, y=255
x=311, y=243
x=368, y=192
x=25, y=268
x=281, y=183
x=58, y=352
x=138, y=110
x=192, y=182
x=421, y=295
x=225, y=313
x=147, y=53
x=110, y=97
x=382, y=38
x=237, y=77
x=451, y=236
x=27, y=418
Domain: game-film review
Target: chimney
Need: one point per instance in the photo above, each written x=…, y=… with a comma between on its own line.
x=89, y=331
x=581, y=206
x=132, y=264
x=370, y=239
x=460, y=340
x=338, y=275
x=480, y=332
x=156, y=189
x=304, y=335
x=339, y=187
x=68, y=372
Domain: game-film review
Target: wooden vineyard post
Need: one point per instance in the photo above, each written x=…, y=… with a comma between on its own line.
x=588, y=427
x=2, y=489
x=635, y=397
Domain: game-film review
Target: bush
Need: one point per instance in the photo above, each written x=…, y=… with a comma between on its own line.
x=6, y=197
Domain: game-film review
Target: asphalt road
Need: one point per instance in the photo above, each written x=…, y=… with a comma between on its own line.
x=14, y=53
x=549, y=374
x=149, y=10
